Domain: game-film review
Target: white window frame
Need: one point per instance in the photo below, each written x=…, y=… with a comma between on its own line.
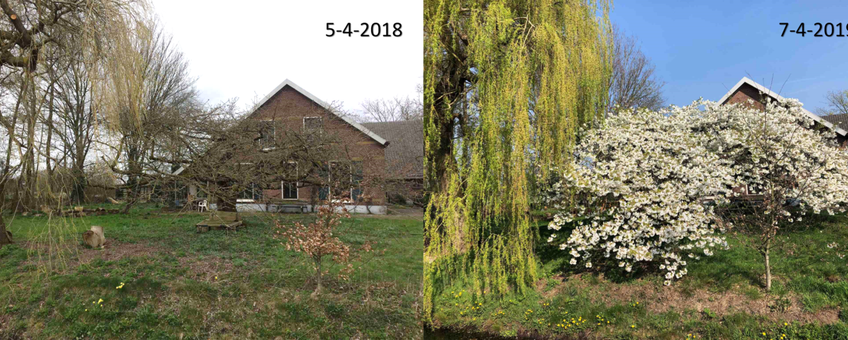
x=296, y=185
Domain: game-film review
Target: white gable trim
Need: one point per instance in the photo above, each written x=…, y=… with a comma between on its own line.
x=322, y=104
x=765, y=90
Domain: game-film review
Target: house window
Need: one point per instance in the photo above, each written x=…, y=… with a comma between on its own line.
x=338, y=183
x=267, y=133
x=312, y=124
x=356, y=180
x=324, y=190
x=201, y=192
x=252, y=193
x=290, y=187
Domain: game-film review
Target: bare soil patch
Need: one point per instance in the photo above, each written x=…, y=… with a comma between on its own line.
x=72, y=254
x=116, y=250
x=207, y=269
x=660, y=299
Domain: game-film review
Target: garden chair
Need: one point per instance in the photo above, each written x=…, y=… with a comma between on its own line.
x=202, y=206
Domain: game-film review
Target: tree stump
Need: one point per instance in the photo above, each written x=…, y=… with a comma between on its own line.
x=94, y=237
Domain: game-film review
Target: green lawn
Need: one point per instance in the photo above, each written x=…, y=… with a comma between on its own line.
x=222, y=285
x=721, y=297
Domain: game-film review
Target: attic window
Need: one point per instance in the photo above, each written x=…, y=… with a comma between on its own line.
x=312, y=124
x=267, y=133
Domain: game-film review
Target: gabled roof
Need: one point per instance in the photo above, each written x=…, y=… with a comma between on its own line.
x=323, y=104
x=776, y=96
x=405, y=153
x=840, y=120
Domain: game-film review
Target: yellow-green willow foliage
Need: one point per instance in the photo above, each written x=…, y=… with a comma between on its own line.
x=506, y=86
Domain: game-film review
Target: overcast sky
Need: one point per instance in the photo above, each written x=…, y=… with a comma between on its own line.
x=246, y=48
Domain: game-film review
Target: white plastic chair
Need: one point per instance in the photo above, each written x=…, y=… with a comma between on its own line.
x=202, y=206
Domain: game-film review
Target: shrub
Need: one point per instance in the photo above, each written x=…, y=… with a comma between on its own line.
x=644, y=187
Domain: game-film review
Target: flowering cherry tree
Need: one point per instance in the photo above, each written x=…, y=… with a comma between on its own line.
x=636, y=194
x=644, y=188
x=790, y=167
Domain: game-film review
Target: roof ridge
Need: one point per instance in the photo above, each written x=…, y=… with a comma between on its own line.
x=763, y=89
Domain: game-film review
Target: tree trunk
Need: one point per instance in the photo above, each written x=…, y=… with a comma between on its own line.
x=29, y=171
x=228, y=200
x=318, y=277
x=5, y=236
x=768, y=270
x=49, y=135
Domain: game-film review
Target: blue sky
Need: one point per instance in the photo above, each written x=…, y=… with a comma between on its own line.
x=701, y=49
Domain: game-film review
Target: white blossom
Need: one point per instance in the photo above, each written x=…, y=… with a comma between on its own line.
x=643, y=186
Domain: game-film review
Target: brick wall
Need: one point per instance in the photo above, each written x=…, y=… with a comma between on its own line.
x=288, y=108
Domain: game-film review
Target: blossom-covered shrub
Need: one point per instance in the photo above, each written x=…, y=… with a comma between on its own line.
x=789, y=165
x=645, y=186
x=636, y=193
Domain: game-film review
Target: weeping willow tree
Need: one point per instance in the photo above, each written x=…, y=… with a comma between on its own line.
x=507, y=85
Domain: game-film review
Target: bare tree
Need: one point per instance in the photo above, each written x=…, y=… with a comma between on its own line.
x=247, y=154
x=34, y=33
x=634, y=83
x=390, y=110
x=151, y=88
x=837, y=104
x=77, y=118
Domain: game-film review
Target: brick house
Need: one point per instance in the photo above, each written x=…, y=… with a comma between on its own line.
x=290, y=108
x=747, y=89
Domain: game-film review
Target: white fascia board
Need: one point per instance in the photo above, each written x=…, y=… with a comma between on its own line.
x=323, y=104
x=763, y=89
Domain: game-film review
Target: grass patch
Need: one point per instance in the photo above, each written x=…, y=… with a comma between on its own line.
x=721, y=298
x=180, y=284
